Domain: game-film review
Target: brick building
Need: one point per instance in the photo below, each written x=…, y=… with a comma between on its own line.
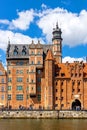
x=3, y=86
x=37, y=78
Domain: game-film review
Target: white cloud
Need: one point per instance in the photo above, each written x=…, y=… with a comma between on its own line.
x=4, y=21
x=72, y=59
x=15, y=38
x=73, y=25
x=23, y=21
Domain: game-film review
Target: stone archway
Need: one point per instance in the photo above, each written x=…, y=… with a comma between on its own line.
x=76, y=105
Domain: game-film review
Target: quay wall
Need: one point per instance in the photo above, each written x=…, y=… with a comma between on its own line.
x=44, y=114
x=72, y=115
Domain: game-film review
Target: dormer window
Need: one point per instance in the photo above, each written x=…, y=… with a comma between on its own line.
x=23, y=52
x=15, y=52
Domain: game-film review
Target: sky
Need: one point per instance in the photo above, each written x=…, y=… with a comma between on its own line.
x=22, y=21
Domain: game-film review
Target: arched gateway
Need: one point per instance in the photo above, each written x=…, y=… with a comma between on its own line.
x=76, y=105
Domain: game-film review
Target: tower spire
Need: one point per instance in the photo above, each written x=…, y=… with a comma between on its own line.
x=8, y=40
x=57, y=25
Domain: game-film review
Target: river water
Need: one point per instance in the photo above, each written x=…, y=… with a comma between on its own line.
x=43, y=124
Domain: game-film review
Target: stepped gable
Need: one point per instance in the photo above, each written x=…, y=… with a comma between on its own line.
x=66, y=70
x=62, y=70
x=49, y=55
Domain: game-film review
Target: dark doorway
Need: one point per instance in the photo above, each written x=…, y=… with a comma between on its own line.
x=76, y=105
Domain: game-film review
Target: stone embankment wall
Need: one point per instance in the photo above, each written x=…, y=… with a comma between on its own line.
x=72, y=114
x=29, y=114
x=44, y=114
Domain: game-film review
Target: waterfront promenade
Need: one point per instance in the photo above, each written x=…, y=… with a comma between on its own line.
x=43, y=114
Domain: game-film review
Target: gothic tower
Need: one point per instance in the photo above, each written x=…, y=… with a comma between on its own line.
x=49, y=80
x=57, y=44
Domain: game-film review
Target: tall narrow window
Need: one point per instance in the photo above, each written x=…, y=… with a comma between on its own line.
x=2, y=88
x=2, y=97
x=2, y=80
x=38, y=62
x=32, y=62
x=39, y=97
x=39, y=89
x=1, y=73
x=9, y=97
x=39, y=71
x=9, y=88
x=9, y=79
x=56, y=83
x=39, y=79
x=32, y=80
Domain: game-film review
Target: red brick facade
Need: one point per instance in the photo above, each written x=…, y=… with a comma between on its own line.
x=37, y=78
x=3, y=86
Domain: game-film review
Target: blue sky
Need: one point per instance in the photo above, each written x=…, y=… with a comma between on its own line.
x=22, y=21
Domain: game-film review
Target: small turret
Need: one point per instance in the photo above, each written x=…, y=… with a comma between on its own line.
x=8, y=48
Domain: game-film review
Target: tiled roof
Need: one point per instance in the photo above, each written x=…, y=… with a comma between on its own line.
x=19, y=48
x=66, y=69
x=47, y=47
x=49, y=55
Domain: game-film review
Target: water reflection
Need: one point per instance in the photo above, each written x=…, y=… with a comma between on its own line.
x=43, y=124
